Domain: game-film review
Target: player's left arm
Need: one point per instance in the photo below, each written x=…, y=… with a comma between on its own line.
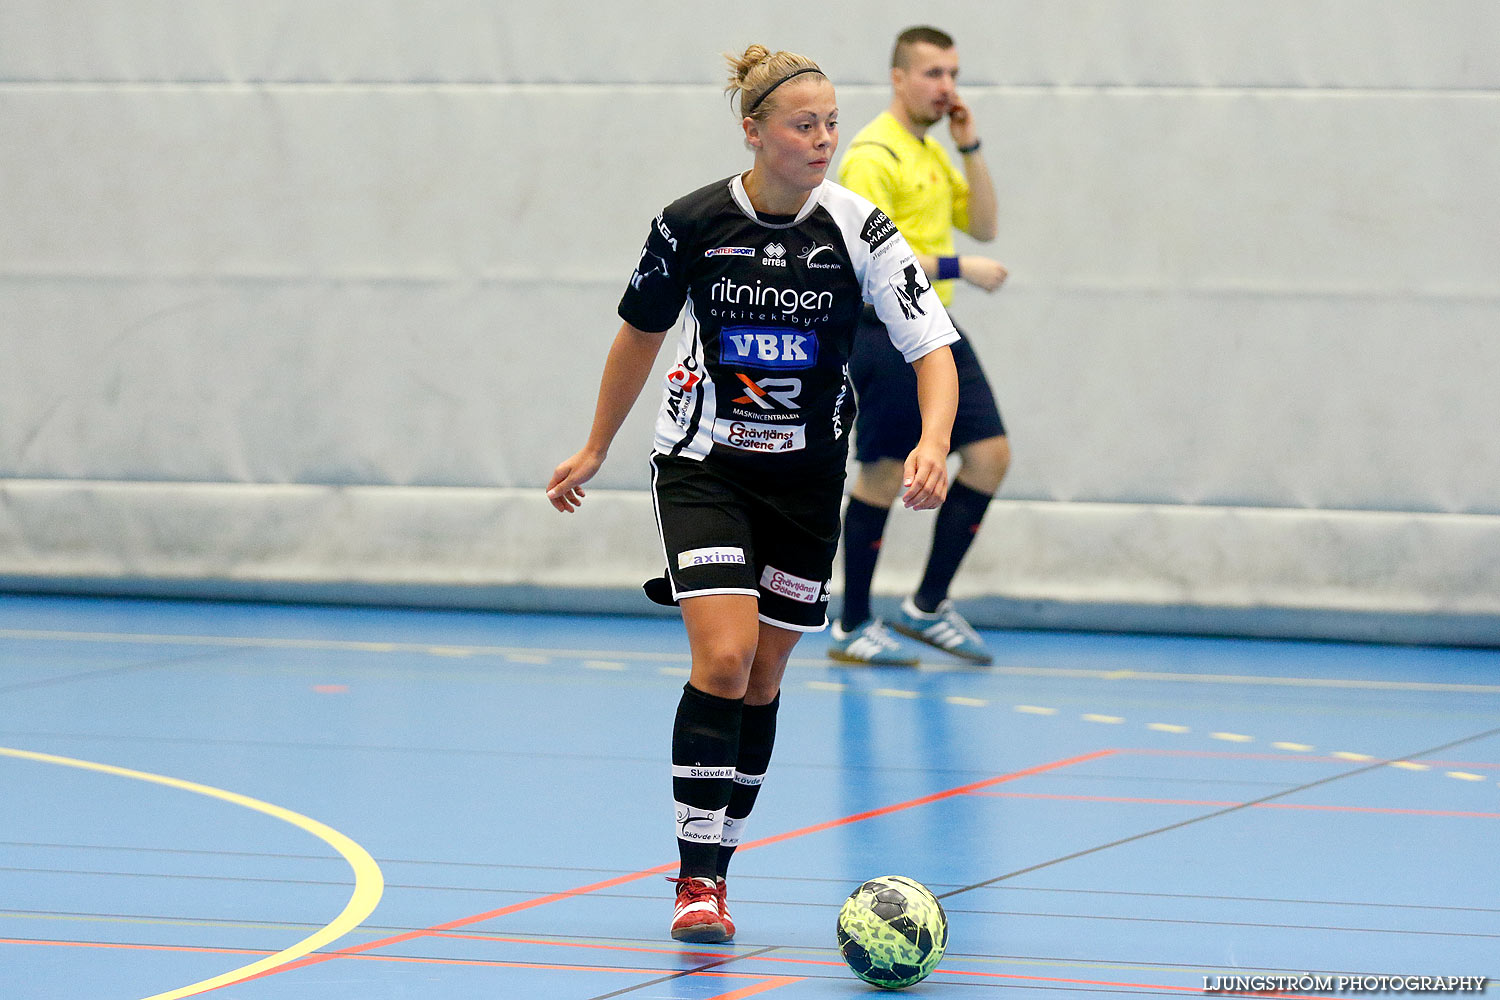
x=983, y=210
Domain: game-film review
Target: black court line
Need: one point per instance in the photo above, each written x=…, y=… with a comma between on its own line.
x=707, y=967
x=93, y=675
x=1221, y=812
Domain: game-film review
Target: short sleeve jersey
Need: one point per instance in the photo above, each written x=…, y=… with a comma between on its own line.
x=760, y=377
x=914, y=182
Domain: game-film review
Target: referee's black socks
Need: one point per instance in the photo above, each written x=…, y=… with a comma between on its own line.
x=705, y=752
x=864, y=524
x=957, y=524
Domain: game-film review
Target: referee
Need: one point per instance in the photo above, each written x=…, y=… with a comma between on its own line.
x=896, y=164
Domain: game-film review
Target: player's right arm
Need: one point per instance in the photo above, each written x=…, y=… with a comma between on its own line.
x=651, y=301
x=626, y=369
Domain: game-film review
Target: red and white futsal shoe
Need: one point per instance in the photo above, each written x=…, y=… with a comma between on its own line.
x=722, y=889
x=696, y=916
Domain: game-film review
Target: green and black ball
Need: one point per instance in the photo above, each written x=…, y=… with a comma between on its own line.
x=892, y=931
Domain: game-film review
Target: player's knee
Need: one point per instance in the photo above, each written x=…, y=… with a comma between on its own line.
x=722, y=668
x=764, y=683
x=984, y=463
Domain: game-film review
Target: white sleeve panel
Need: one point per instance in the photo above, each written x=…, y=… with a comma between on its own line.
x=889, y=275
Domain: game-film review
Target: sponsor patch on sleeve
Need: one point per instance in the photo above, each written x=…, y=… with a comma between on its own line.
x=711, y=556
x=878, y=230
x=797, y=588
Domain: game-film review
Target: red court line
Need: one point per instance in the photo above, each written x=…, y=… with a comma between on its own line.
x=551, y=966
x=939, y=972
x=750, y=991
x=929, y=799
x=355, y=950
x=590, y=945
x=771, y=981
x=1254, y=805
x=450, y=925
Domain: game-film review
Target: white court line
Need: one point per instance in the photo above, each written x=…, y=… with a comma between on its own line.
x=622, y=654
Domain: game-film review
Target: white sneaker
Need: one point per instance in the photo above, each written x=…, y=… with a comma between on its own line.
x=869, y=643
x=944, y=629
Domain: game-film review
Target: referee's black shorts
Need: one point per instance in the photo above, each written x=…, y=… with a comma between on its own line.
x=889, y=423
x=772, y=537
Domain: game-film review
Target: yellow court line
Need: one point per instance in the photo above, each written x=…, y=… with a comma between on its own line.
x=369, y=883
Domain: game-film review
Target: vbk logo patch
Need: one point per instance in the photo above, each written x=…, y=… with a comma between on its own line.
x=768, y=347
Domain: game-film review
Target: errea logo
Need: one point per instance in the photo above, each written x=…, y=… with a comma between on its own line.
x=775, y=255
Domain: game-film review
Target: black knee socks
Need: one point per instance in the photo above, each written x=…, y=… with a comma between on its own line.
x=757, y=736
x=705, y=749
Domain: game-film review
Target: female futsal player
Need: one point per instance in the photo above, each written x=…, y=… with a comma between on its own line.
x=747, y=466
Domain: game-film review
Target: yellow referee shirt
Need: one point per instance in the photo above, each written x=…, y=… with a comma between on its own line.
x=912, y=181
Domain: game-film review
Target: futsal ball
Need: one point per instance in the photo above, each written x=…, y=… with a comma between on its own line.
x=892, y=931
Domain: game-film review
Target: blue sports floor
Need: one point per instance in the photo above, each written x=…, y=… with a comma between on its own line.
x=266, y=801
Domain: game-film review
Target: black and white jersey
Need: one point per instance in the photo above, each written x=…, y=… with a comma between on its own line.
x=760, y=372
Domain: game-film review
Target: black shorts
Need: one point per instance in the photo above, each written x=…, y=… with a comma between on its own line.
x=889, y=423
x=771, y=537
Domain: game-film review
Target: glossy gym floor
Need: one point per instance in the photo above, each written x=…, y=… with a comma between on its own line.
x=260, y=801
